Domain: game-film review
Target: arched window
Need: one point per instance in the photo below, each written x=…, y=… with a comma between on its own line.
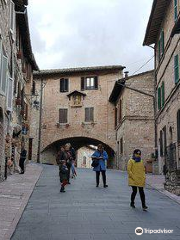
x=178, y=126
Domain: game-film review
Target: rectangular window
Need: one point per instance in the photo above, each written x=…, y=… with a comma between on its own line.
x=120, y=111
x=63, y=115
x=3, y=77
x=176, y=69
x=175, y=10
x=161, y=45
x=64, y=85
x=159, y=98
x=163, y=94
x=89, y=114
x=12, y=16
x=9, y=94
x=89, y=83
x=121, y=145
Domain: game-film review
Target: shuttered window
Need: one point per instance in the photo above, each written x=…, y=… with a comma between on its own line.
x=159, y=98
x=3, y=73
x=175, y=10
x=89, y=83
x=12, y=16
x=9, y=94
x=176, y=69
x=178, y=126
x=89, y=114
x=121, y=145
x=63, y=115
x=161, y=45
x=64, y=85
x=163, y=94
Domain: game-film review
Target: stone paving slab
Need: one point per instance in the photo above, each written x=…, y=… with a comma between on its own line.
x=86, y=212
x=14, y=195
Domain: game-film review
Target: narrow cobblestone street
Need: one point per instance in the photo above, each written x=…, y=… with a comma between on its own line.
x=86, y=212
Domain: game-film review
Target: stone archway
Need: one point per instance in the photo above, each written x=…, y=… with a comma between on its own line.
x=48, y=155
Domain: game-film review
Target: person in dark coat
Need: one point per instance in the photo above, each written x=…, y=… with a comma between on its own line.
x=22, y=159
x=102, y=157
x=69, y=159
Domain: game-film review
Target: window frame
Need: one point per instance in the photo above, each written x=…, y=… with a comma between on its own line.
x=176, y=69
x=175, y=10
x=84, y=85
x=67, y=117
x=89, y=119
x=63, y=82
x=3, y=70
x=9, y=108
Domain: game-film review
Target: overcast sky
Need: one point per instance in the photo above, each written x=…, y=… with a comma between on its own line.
x=76, y=33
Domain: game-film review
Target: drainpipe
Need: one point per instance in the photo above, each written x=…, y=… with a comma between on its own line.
x=40, y=123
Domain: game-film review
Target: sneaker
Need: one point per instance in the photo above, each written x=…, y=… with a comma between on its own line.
x=132, y=205
x=145, y=208
x=62, y=190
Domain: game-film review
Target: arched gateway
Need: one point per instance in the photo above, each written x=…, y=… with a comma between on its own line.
x=75, y=108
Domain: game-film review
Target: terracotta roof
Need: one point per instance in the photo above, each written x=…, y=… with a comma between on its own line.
x=156, y=17
x=79, y=70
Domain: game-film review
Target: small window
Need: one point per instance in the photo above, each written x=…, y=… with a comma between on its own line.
x=121, y=145
x=9, y=94
x=89, y=83
x=63, y=115
x=176, y=69
x=159, y=98
x=12, y=17
x=161, y=45
x=3, y=73
x=120, y=111
x=89, y=114
x=64, y=85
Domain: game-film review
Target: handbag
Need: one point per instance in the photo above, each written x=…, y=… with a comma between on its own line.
x=95, y=163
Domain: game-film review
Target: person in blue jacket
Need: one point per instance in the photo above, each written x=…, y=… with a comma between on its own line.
x=102, y=157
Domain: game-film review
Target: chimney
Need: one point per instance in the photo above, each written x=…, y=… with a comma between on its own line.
x=126, y=74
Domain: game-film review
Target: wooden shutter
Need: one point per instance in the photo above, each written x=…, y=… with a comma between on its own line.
x=175, y=10
x=178, y=126
x=163, y=94
x=66, y=85
x=176, y=69
x=159, y=50
x=159, y=98
x=10, y=94
x=96, y=82
x=62, y=85
x=162, y=43
x=63, y=115
x=82, y=83
x=4, y=73
x=121, y=145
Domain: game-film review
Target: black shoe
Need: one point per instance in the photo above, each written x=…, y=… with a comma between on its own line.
x=68, y=183
x=62, y=189
x=144, y=208
x=105, y=186
x=132, y=205
x=97, y=185
x=21, y=173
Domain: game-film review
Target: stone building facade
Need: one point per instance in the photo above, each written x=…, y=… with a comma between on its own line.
x=16, y=65
x=84, y=159
x=163, y=31
x=75, y=108
x=134, y=116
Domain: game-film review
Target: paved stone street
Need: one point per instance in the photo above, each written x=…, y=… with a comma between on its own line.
x=86, y=212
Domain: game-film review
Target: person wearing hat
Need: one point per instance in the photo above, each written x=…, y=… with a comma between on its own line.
x=136, y=177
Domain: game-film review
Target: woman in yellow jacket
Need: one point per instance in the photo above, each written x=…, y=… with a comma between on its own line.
x=136, y=177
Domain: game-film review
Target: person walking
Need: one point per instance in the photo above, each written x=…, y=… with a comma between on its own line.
x=68, y=158
x=101, y=157
x=22, y=159
x=136, y=178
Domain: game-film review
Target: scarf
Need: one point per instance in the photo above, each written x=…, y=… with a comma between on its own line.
x=136, y=159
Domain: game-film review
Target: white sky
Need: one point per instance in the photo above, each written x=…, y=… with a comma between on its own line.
x=76, y=33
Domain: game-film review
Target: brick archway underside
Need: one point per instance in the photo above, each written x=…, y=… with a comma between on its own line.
x=78, y=142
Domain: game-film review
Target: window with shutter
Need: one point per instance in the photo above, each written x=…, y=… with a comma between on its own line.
x=63, y=115
x=9, y=94
x=64, y=85
x=3, y=81
x=89, y=114
x=163, y=94
x=12, y=16
x=176, y=69
x=121, y=144
x=175, y=10
x=89, y=83
x=159, y=98
x=178, y=126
